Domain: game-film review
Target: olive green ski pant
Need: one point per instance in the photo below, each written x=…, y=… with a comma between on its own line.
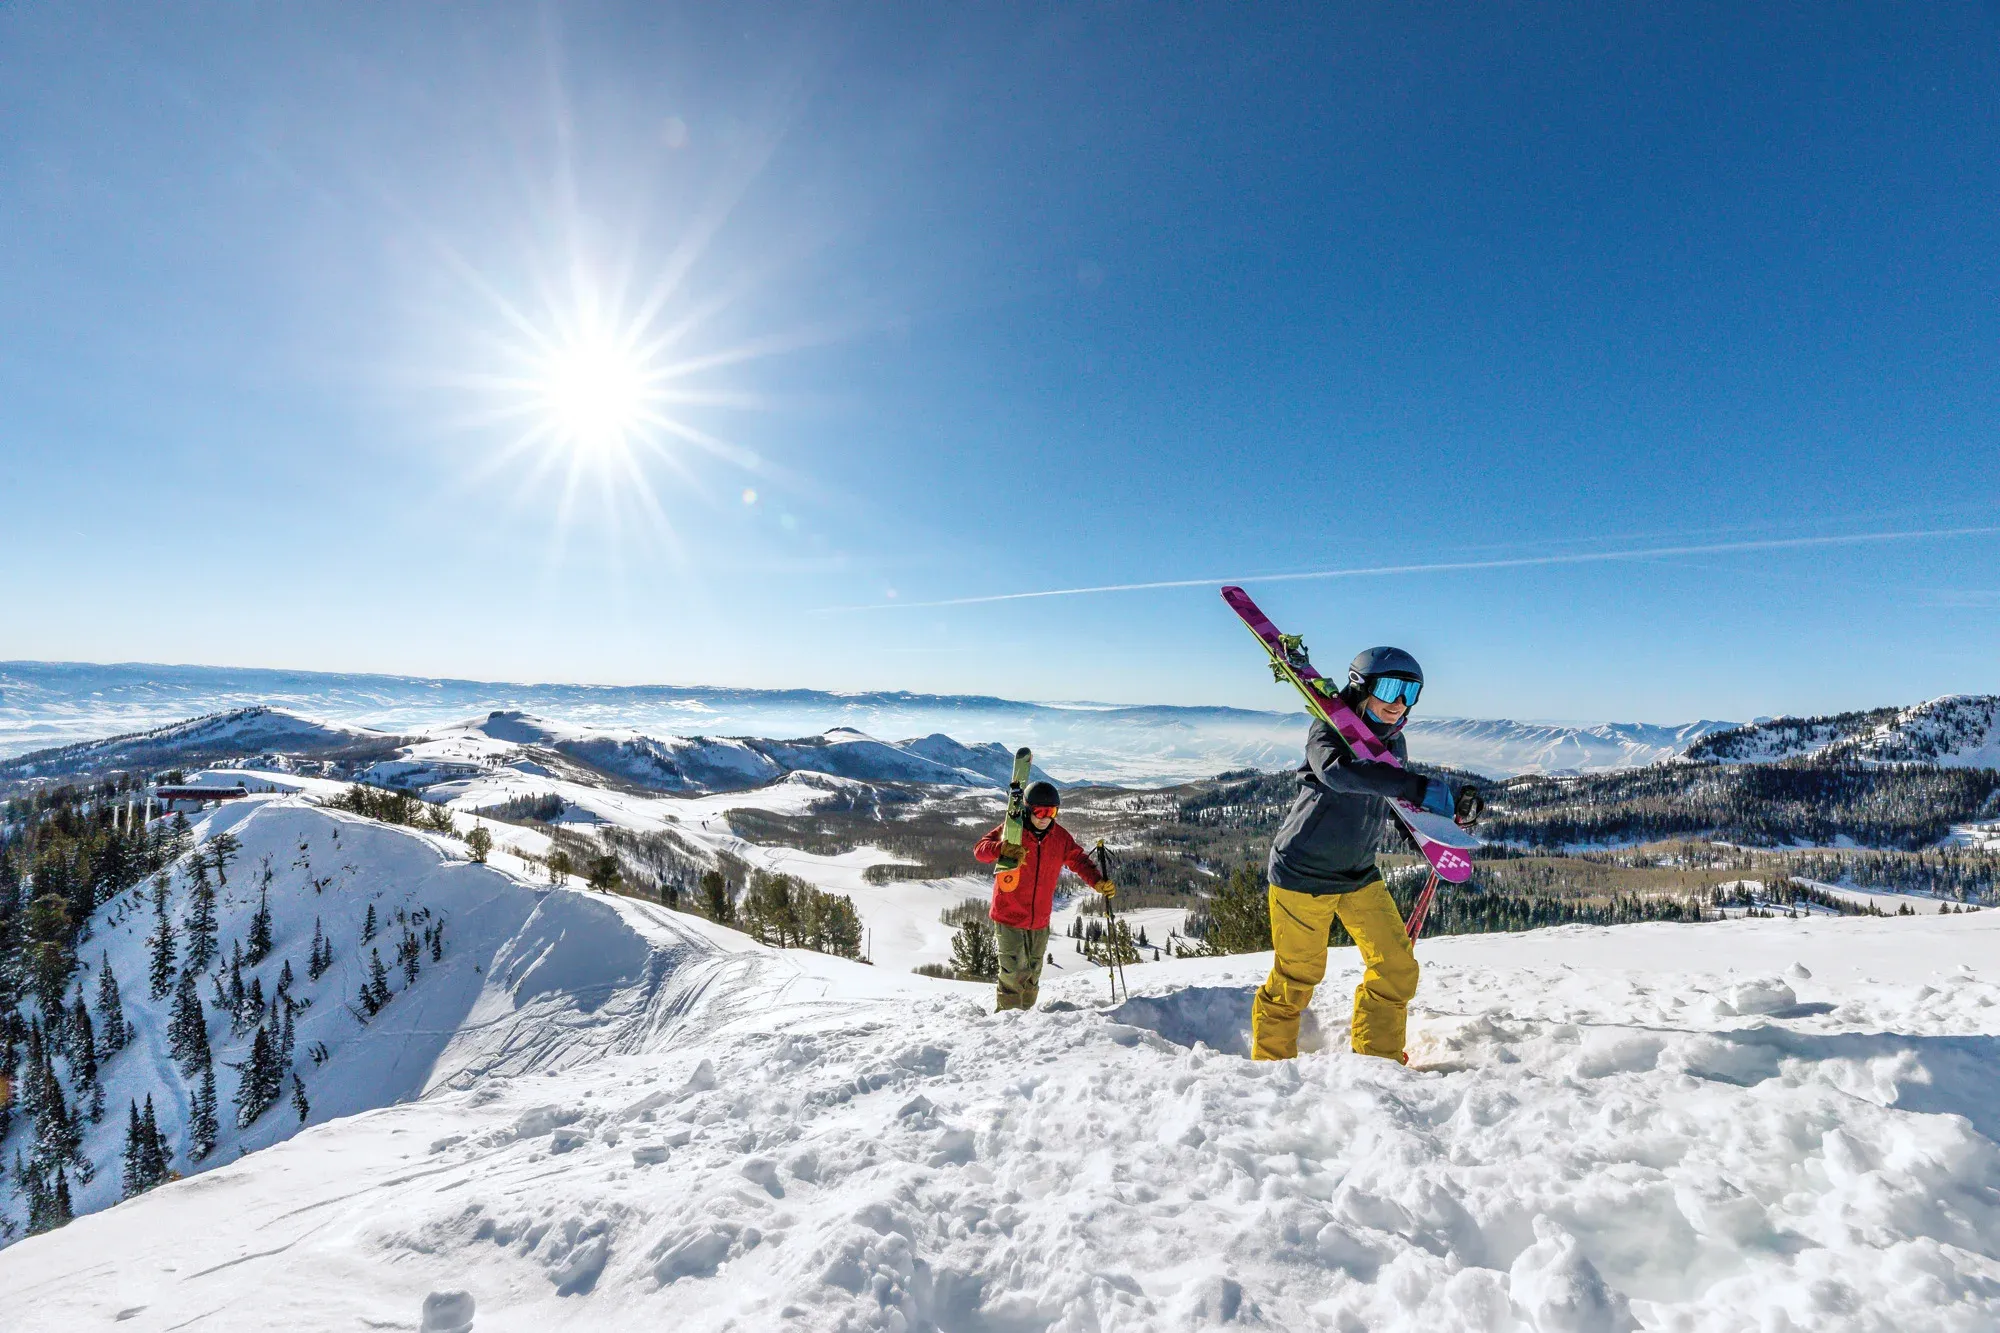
x=1022, y=953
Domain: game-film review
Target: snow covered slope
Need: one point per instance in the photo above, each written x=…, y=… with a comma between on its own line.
x=1759, y=1124
x=531, y=977
x=244, y=731
x=1955, y=731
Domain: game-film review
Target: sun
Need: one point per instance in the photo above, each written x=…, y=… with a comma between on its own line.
x=594, y=395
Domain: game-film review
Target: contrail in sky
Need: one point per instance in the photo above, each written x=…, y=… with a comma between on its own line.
x=1442, y=567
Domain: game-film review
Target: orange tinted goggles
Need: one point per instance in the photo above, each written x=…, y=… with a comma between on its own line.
x=1043, y=811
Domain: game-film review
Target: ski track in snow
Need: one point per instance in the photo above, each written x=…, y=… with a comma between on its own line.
x=630, y=1119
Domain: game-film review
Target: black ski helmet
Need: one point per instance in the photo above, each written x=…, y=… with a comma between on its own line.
x=1373, y=662
x=1042, y=793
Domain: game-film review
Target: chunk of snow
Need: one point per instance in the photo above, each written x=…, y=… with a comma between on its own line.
x=448, y=1312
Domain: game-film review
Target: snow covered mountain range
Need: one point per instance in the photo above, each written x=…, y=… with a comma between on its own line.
x=674, y=739
x=592, y=1113
x=48, y=705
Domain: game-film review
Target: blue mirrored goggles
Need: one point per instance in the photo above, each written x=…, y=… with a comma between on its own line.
x=1390, y=689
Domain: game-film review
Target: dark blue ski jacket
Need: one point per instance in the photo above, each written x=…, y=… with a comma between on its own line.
x=1327, y=843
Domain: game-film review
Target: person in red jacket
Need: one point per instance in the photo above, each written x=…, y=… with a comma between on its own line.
x=1021, y=915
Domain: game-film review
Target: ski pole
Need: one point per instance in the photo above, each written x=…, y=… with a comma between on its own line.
x=1116, y=962
x=1421, y=907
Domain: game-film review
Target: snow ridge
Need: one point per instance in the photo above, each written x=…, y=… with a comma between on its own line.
x=687, y=765
x=1952, y=731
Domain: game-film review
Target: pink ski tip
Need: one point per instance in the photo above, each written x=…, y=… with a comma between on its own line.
x=1452, y=865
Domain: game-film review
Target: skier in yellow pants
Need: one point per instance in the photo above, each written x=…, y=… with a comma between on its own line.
x=1323, y=869
x=1300, y=923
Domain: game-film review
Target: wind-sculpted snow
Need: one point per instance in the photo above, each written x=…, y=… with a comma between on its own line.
x=1758, y=1124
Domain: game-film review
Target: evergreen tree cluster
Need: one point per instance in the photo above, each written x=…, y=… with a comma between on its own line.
x=64, y=853
x=147, y=1152
x=1110, y=941
x=789, y=913
x=395, y=807
x=661, y=865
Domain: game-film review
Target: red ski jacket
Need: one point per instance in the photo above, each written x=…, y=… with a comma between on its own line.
x=1043, y=857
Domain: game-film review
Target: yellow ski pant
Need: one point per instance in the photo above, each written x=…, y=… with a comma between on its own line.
x=1300, y=923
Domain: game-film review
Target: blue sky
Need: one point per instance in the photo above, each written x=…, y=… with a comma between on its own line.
x=1002, y=299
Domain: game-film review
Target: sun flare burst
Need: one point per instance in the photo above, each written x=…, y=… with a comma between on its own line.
x=594, y=395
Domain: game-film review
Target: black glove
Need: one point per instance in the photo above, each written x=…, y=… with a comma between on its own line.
x=1469, y=807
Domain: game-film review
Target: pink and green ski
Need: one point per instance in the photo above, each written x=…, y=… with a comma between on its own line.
x=1444, y=844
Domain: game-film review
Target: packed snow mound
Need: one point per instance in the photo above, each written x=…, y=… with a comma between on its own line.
x=1954, y=731
x=1594, y=1137
x=242, y=731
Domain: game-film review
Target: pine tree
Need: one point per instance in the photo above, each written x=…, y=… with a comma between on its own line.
x=260, y=928
x=202, y=1125
x=60, y=1214
x=321, y=957
x=113, y=1034
x=285, y=982
x=437, y=942
x=409, y=953
x=261, y=1081
x=375, y=992
x=135, y=1154
x=299, y=1102
x=285, y=1036
x=162, y=940
x=368, y=925
x=200, y=925
x=58, y=1136
x=974, y=956
x=221, y=848
x=1239, y=915
x=180, y=836
x=155, y=1150
x=253, y=1003
x=32, y=1192
x=83, y=1063
x=187, y=1029
x=32, y=1088
x=715, y=894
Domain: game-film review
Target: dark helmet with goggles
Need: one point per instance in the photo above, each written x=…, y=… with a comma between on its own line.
x=1389, y=674
x=1042, y=796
